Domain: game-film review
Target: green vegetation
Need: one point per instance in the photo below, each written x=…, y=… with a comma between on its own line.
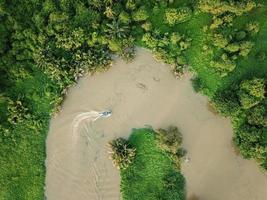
x=246, y=104
x=122, y=153
x=45, y=46
x=152, y=175
x=170, y=140
x=232, y=70
x=179, y=15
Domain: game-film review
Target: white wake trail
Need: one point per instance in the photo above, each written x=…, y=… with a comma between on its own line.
x=89, y=117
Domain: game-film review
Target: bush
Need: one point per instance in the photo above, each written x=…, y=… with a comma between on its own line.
x=245, y=103
x=245, y=48
x=130, y=4
x=169, y=139
x=223, y=67
x=253, y=28
x=220, y=41
x=174, y=186
x=174, y=16
x=249, y=140
x=175, y=38
x=122, y=153
x=234, y=47
x=124, y=17
x=169, y=48
x=140, y=15
x=219, y=7
x=115, y=45
x=251, y=92
x=258, y=116
x=147, y=26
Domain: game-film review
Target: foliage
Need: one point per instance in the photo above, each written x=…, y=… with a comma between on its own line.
x=46, y=46
x=174, y=16
x=228, y=44
x=258, y=115
x=152, y=175
x=140, y=14
x=124, y=17
x=218, y=7
x=232, y=26
x=251, y=92
x=246, y=105
x=173, y=186
x=122, y=153
x=169, y=48
x=170, y=140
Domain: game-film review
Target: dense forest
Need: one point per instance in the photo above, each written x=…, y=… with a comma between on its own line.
x=45, y=46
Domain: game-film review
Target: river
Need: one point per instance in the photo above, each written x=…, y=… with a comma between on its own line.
x=143, y=93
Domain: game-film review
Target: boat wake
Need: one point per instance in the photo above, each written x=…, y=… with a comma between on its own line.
x=88, y=117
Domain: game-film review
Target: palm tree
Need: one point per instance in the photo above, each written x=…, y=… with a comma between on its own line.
x=117, y=30
x=122, y=153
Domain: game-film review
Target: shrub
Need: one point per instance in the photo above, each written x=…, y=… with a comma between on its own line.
x=124, y=17
x=175, y=38
x=115, y=45
x=258, y=116
x=174, y=16
x=220, y=7
x=226, y=102
x=245, y=103
x=147, y=26
x=169, y=48
x=140, y=15
x=122, y=153
x=251, y=92
x=234, y=47
x=253, y=28
x=169, y=139
x=245, y=48
x=150, y=41
x=216, y=22
x=130, y=4
x=184, y=14
x=223, y=67
x=249, y=140
x=174, y=186
x=220, y=41
x=171, y=15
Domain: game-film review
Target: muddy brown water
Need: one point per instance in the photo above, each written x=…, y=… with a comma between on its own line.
x=143, y=93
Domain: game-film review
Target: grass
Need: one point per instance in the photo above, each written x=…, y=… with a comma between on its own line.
x=144, y=178
x=22, y=162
